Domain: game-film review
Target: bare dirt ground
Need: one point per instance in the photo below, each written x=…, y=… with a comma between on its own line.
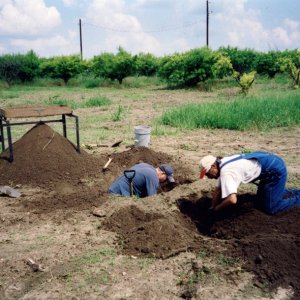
x=153, y=248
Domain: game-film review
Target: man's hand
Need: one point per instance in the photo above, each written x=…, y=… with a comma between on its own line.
x=229, y=200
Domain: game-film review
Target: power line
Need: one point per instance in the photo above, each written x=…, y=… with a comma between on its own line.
x=143, y=31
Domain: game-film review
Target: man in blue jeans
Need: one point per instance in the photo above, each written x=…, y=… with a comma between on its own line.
x=145, y=182
x=231, y=171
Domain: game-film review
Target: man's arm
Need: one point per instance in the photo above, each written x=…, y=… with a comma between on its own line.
x=229, y=200
x=216, y=197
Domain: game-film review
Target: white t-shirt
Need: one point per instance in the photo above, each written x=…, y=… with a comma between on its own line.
x=235, y=173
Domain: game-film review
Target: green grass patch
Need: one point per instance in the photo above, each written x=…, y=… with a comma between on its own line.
x=96, y=102
x=92, y=83
x=141, y=81
x=9, y=95
x=161, y=130
x=118, y=114
x=92, y=102
x=66, y=102
x=256, y=113
x=98, y=256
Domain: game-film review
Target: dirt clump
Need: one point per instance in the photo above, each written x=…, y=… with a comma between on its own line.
x=152, y=234
x=268, y=245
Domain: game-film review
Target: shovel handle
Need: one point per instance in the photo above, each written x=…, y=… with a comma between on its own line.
x=129, y=174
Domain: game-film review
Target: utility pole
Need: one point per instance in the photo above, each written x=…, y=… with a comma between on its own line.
x=207, y=23
x=80, y=35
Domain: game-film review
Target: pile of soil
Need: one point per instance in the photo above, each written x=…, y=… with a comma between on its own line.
x=269, y=245
x=152, y=234
x=42, y=156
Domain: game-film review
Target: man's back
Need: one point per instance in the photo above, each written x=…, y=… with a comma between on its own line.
x=145, y=182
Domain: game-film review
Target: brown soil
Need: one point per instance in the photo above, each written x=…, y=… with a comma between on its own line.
x=152, y=234
x=269, y=245
x=71, y=183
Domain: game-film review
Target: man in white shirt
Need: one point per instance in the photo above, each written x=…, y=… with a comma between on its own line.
x=231, y=171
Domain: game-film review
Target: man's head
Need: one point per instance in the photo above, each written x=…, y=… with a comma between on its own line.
x=209, y=167
x=165, y=172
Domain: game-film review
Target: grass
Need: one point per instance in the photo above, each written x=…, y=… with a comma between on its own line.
x=243, y=113
x=90, y=270
x=161, y=130
x=227, y=261
x=141, y=81
x=97, y=102
x=98, y=256
x=92, y=102
x=145, y=263
x=9, y=95
x=118, y=114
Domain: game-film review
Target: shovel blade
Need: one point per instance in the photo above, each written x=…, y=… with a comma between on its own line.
x=9, y=191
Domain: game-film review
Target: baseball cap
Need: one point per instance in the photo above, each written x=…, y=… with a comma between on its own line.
x=205, y=164
x=169, y=171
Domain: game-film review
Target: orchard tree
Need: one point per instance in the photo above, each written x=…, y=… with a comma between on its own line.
x=187, y=69
x=267, y=63
x=113, y=66
x=292, y=68
x=29, y=69
x=245, y=80
x=10, y=66
x=146, y=64
x=171, y=69
x=223, y=67
x=243, y=61
x=62, y=67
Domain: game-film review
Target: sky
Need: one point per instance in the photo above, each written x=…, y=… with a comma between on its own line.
x=160, y=27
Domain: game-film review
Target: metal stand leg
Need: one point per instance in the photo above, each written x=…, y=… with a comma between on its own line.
x=64, y=125
x=2, y=135
x=11, y=155
x=77, y=133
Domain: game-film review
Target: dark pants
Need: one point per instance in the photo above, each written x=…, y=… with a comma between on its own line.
x=272, y=194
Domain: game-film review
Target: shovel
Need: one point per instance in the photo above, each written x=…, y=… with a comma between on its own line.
x=129, y=174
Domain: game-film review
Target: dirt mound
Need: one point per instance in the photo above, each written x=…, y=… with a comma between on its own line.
x=269, y=245
x=42, y=156
x=152, y=234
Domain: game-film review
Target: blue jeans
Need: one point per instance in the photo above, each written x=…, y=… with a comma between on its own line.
x=272, y=194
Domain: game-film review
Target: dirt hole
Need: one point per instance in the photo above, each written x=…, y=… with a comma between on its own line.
x=269, y=245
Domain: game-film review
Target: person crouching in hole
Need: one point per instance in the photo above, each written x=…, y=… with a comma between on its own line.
x=230, y=172
x=143, y=180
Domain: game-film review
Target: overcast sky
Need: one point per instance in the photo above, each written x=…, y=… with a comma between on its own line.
x=159, y=27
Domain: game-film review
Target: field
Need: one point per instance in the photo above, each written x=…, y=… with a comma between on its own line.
x=153, y=248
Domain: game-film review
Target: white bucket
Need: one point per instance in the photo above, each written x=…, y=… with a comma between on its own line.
x=142, y=136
